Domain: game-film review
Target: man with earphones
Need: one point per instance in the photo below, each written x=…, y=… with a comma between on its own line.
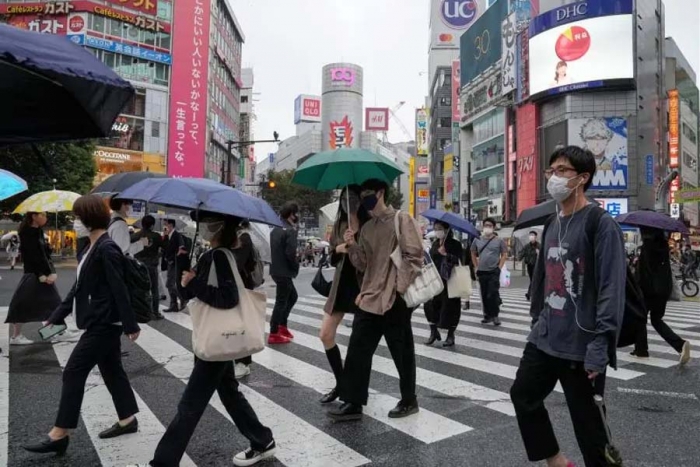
x=577, y=305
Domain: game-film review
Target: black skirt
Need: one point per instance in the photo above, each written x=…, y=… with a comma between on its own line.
x=443, y=311
x=348, y=289
x=33, y=301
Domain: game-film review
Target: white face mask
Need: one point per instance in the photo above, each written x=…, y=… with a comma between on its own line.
x=488, y=230
x=80, y=230
x=558, y=187
x=533, y=238
x=210, y=229
x=440, y=234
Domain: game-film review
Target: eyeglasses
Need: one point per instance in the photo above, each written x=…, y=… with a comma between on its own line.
x=559, y=171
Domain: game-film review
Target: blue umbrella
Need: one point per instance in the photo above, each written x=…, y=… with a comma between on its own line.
x=10, y=185
x=202, y=194
x=55, y=90
x=653, y=220
x=453, y=220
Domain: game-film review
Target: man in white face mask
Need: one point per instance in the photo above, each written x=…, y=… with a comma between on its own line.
x=577, y=305
x=489, y=254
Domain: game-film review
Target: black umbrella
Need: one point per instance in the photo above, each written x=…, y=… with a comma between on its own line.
x=54, y=90
x=537, y=215
x=120, y=182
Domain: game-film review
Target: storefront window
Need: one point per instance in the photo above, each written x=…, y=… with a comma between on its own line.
x=137, y=104
x=165, y=10
x=97, y=23
x=488, y=187
x=127, y=133
x=489, y=126
x=488, y=155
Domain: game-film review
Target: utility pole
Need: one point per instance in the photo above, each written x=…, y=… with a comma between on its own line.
x=226, y=163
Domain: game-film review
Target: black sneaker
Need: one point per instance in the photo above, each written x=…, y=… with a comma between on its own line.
x=252, y=456
x=496, y=321
x=404, y=409
x=346, y=413
x=640, y=354
x=485, y=320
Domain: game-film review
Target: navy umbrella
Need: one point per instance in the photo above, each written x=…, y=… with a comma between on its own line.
x=453, y=220
x=120, y=182
x=204, y=195
x=54, y=90
x=654, y=220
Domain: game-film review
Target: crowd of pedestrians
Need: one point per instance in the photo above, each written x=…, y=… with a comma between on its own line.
x=577, y=315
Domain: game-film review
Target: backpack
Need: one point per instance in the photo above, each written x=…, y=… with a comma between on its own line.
x=634, y=318
x=138, y=282
x=254, y=267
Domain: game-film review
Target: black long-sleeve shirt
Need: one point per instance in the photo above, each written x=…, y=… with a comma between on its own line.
x=225, y=296
x=35, y=252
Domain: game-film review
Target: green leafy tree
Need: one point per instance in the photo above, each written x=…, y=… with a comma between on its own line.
x=72, y=165
x=394, y=198
x=284, y=190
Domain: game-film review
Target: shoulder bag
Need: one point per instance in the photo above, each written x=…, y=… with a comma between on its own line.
x=428, y=284
x=221, y=335
x=459, y=285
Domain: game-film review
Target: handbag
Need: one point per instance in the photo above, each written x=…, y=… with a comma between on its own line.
x=227, y=334
x=320, y=284
x=427, y=285
x=459, y=285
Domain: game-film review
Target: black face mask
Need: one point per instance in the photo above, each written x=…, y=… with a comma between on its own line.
x=370, y=202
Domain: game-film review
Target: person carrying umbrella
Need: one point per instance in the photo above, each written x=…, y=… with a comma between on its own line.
x=36, y=295
x=653, y=273
x=443, y=311
x=577, y=306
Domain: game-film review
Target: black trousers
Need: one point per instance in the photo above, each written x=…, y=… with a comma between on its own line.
x=490, y=284
x=206, y=378
x=443, y=311
x=171, y=283
x=530, y=270
x=657, y=310
x=535, y=380
x=102, y=347
x=155, y=289
x=367, y=331
x=286, y=298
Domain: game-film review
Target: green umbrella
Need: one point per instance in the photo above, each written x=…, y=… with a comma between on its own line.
x=330, y=170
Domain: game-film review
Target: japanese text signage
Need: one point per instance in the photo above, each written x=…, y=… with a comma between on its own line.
x=421, y=132
x=341, y=134
x=508, y=65
x=455, y=90
x=478, y=98
x=674, y=116
x=376, y=119
x=649, y=169
x=118, y=47
x=61, y=9
x=523, y=47
x=615, y=206
x=188, y=92
x=146, y=6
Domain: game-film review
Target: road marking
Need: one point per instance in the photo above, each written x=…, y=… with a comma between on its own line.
x=98, y=413
x=4, y=385
x=647, y=392
x=299, y=444
x=425, y=426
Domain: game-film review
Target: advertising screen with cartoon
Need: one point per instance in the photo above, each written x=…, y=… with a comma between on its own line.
x=606, y=138
x=581, y=46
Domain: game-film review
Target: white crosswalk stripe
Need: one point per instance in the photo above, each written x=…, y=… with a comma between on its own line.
x=477, y=372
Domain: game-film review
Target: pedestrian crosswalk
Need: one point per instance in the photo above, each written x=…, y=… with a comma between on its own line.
x=462, y=390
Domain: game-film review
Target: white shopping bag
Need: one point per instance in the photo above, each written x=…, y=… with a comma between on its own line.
x=505, y=277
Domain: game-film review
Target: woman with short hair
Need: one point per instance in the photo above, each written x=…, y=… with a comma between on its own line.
x=102, y=307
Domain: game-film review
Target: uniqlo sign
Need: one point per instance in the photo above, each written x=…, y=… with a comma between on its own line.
x=311, y=108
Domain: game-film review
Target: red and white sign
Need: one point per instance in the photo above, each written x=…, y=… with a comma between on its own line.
x=77, y=23
x=311, y=108
x=455, y=90
x=674, y=116
x=251, y=153
x=376, y=119
x=188, y=92
x=341, y=134
x=423, y=171
x=45, y=25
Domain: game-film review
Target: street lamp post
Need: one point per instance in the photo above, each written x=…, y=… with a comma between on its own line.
x=226, y=163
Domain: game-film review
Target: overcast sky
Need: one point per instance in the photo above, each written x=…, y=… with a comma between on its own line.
x=289, y=41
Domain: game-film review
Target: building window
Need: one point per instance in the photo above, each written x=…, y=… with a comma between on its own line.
x=445, y=101
x=165, y=10
x=690, y=161
x=127, y=133
x=155, y=129
x=445, y=122
x=489, y=127
x=488, y=187
x=690, y=134
x=136, y=106
x=489, y=155
x=244, y=99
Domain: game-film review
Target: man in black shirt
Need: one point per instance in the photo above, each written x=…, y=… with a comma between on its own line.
x=150, y=257
x=175, y=247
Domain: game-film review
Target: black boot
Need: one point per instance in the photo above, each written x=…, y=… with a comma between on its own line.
x=346, y=412
x=450, y=341
x=58, y=446
x=434, y=335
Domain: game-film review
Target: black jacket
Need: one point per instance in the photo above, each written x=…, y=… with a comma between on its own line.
x=283, y=248
x=225, y=296
x=36, y=254
x=445, y=264
x=150, y=254
x=174, y=243
x=245, y=259
x=100, y=293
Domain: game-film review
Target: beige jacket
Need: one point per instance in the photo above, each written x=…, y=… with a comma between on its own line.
x=371, y=256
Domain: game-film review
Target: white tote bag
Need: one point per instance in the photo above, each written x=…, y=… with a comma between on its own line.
x=459, y=285
x=220, y=335
x=427, y=285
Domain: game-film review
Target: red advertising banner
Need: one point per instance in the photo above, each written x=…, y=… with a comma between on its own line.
x=674, y=116
x=455, y=90
x=149, y=7
x=62, y=9
x=188, y=91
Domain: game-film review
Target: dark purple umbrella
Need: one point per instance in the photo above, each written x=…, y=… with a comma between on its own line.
x=654, y=220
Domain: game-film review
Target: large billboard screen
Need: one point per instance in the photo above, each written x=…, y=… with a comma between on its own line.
x=583, y=45
x=606, y=138
x=480, y=46
x=188, y=97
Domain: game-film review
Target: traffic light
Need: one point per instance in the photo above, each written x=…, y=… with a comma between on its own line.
x=271, y=184
x=268, y=185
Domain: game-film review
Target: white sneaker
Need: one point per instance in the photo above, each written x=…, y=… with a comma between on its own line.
x=20, y=340
x=241, y=370
x=69, y=335
x=685, y=353
x=250, y=456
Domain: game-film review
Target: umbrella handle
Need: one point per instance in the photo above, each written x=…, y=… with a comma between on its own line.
x=347, y=198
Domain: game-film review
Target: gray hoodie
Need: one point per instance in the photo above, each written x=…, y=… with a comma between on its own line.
x=578, y=294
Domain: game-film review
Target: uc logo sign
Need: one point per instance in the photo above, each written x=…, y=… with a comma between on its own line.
x=458, y=14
